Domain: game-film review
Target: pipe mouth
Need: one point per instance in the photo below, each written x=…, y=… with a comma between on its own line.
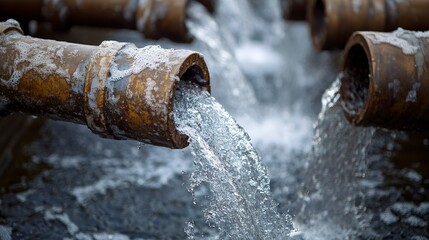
x=195, y=74
x=193, y=69
x=317, y=20
x=355, y=83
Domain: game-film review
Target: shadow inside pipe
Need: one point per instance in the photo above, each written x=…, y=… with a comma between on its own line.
x=355, y=81
x=195, y=75
x=317, y=22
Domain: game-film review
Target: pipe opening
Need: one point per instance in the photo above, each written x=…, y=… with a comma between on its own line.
x=195, y=75
x=318, y=25
x=355, y=81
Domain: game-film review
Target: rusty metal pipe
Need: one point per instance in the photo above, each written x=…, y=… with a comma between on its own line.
x=332, y=22
x=118, y=90
x=154, y=18
x=385, y=80
x=294, y=10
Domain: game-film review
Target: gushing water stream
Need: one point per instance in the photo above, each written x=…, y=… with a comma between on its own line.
x=332, y=199
x=241, y=205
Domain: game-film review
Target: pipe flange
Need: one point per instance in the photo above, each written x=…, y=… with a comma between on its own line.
x=95, y=85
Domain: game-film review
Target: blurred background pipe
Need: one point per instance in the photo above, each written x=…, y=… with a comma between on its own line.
x=118, y=90
x=209, y=4
x=154, y=18
x=294, y=10
x=332, y=22
x=385, y=80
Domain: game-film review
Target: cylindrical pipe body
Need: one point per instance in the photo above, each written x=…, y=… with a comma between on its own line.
x=154, y=18
x=332, y=22
x=385, y=80
x=294, y=10
x=116, y=89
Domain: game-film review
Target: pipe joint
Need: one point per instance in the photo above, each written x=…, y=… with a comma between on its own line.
x=95, y=86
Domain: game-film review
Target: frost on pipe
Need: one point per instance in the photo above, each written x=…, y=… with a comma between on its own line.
x=118, y=90
x=154, y=18
x=385, y=80
x=332, y=22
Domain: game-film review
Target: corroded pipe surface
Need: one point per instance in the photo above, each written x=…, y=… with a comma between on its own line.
x=294, y=10
x=118, y=90
x=154, y=18
x=385, y=80
x=332, y=22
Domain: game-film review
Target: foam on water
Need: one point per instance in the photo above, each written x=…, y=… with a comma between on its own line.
x=241, y=206
x=5, y=232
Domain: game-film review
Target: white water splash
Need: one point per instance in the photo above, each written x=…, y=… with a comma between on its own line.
x=241, y=206
x=332, y=199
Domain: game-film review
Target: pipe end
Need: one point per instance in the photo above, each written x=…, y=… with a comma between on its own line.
x=355, y=80
x=193, y=69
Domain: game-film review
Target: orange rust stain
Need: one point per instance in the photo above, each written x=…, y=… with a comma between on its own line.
x=137, y=108
x=38, y=88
